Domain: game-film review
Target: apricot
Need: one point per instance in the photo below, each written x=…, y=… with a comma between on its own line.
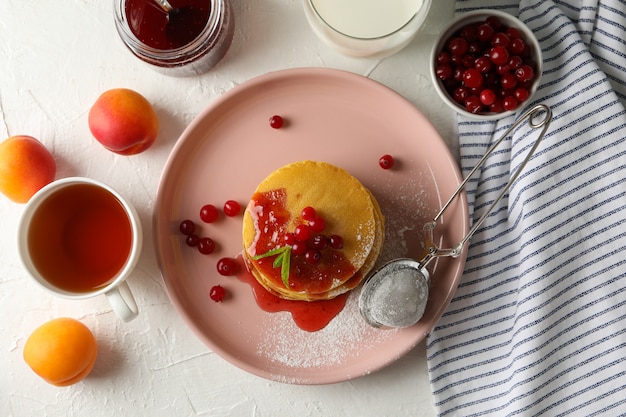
x=62, y=351
x=26, y=166
x=123, y=121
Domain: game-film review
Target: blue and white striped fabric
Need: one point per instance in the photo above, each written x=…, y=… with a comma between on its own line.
x=538, y=323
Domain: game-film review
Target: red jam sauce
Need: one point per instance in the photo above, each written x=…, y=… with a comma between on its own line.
x=154, y=28
x=310, y=316
x=273, y=221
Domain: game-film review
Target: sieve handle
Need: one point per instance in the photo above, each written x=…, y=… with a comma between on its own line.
x=530, y=115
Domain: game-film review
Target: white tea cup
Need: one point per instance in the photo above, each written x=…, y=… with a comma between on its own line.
x=78, y=238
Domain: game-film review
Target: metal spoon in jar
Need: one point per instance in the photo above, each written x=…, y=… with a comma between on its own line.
x=396, y=294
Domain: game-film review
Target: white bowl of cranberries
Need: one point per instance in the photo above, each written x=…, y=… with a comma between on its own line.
x=486, y=64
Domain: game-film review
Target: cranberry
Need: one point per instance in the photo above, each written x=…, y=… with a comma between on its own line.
x=496, y=106
x=518, y=46
x=508, y=81
x=513, y=33
x=298, y=248
x=308, y=213
x=443, y=57
x=494, y=22
x=317, y=224
x=192, y=240
x=187, y=227
x=472, y=78
x=485, y=32
x=302, y=232
x=444, y=72
x=206, y=245
x=458, y=46
x=473, y=104
x=289, y=238
x=499, y=55
x=515, y=62
x=483, y=64
x=501, y=39
x=276, y=122
x=313, y=256
x=336, y=241
x=487, y=97
x=386, y=162
x=231, y=208
x=460, y=94
x=217, y=293
x=521, y=94
x=509, y=103
x=209, y=213
x=525, y=73
x=319, y=242
x=227, y=266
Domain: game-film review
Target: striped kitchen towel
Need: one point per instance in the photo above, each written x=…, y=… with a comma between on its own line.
x=538, y=323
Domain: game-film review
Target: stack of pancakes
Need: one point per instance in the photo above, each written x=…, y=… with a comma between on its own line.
x=347, y=207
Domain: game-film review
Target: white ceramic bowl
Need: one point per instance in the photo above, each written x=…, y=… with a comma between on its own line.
x=476, y=17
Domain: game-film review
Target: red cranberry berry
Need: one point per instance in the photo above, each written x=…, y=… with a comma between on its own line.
x=206, y=245
x=487, y=97
x=319, y=242
x=192, y=240
x=458, y=46
x=209, y=213
x=302, y=232
x=187, y=227
x=231, y=208
x=336, y=241
x=308, y=213
x=217, y=293
x=289, y=238
x=485, y=32
x=227, y=266
x=499, y=55
x=509, y=103
x=473, y=78
x=521, y=94
x=317, y=224
x=386, y=162
x=298, y=248
x=444, y=72
x=276, y=121
x=525, y=73
x=473, y=104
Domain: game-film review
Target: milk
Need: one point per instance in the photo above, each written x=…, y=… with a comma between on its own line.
x=367, y=19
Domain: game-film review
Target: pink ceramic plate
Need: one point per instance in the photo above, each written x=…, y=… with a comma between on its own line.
x=331, y=116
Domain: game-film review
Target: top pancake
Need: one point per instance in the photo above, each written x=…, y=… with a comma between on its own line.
x=348, y=208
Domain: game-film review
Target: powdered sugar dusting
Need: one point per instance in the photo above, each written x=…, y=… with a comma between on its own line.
x=347, y=336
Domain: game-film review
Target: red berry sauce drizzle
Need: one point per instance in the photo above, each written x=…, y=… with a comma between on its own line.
x=310, y=316
x=486, y=67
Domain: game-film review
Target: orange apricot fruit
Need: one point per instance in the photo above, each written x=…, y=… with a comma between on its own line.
x=123, y=121
x=26, y=166
x=62, y=351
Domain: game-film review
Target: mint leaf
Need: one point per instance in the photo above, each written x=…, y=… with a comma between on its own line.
x=282, y=261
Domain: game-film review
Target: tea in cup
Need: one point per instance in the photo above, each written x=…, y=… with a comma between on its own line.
x=79, y=238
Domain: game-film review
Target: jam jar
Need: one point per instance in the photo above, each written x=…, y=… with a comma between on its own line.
x=189, y=40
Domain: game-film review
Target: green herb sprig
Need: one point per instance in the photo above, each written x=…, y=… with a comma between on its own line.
x=282, y=261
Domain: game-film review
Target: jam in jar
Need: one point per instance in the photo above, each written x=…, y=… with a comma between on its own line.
x=189, y=40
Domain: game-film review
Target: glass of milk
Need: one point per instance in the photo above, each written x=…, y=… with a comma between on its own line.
x=366, y=28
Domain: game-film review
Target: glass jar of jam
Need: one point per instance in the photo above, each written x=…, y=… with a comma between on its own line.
x=189, y=40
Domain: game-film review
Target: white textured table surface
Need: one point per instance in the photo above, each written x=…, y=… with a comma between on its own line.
x=56, y=58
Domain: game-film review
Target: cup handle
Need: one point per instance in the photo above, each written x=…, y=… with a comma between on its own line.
x=123, y=302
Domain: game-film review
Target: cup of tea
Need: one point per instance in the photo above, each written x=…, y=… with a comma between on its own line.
x=78, y=238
